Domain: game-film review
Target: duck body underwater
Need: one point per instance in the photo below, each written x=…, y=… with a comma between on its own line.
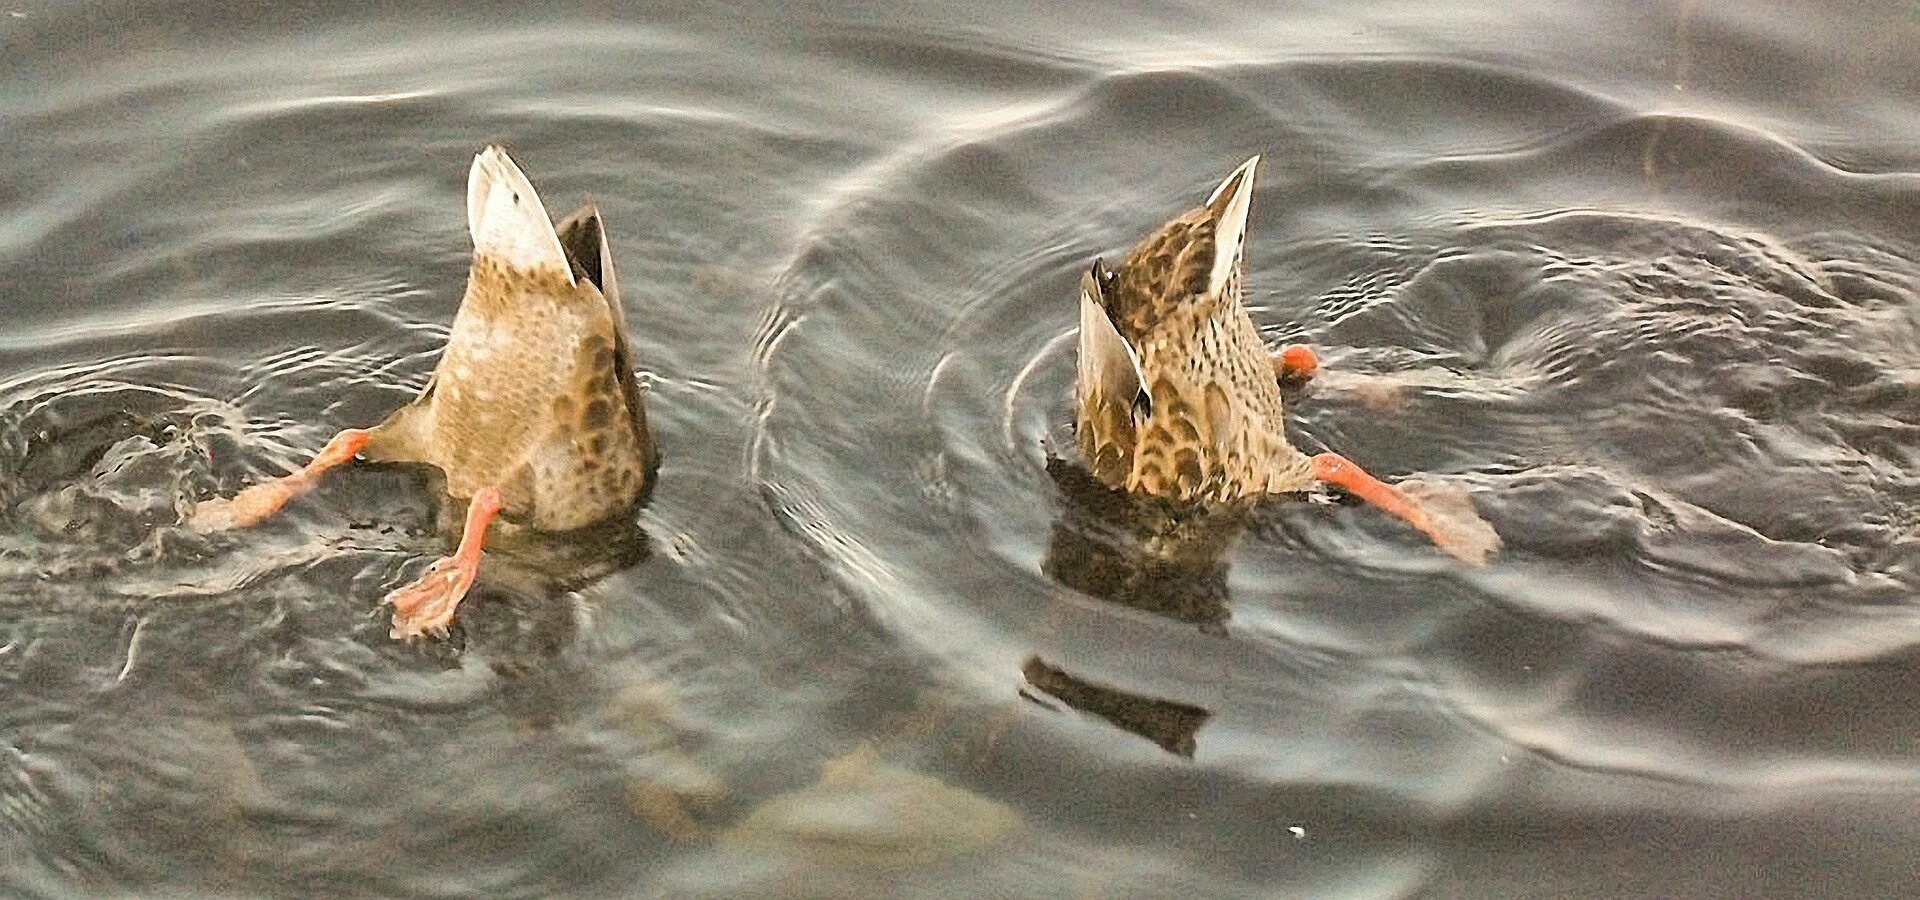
x=533, y=412
x=1177, y=397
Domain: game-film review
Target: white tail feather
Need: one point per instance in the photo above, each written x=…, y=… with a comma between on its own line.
x=1231, y=228
x=507, y=219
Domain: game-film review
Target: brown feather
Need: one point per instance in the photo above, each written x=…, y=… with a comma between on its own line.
x=535, y=393
x=1215, y=429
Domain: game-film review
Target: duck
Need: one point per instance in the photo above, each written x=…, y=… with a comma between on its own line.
x=1177, y=397
x=533, y=413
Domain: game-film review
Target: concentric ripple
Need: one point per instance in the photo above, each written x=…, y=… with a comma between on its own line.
x=1688, y=421
x=1642, y=285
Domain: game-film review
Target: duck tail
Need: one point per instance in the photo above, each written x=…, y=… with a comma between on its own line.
x=506, y=217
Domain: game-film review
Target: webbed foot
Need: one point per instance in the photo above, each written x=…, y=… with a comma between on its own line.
x=426, y=606
x=1446, y=517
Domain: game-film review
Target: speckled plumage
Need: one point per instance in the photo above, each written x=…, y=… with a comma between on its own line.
x=1176, y=396
x=535, y=394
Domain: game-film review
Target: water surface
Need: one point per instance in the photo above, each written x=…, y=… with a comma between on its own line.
x=1641, y=277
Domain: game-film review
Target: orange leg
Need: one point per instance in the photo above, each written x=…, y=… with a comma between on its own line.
x=256, y=504
x=427, y=604
x=1334, y=469
x=1295, y=363
x=1446, y=517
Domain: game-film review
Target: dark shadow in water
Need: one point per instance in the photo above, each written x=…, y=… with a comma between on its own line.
x=1144, y=553
x=1173, y=725
x=543, y=561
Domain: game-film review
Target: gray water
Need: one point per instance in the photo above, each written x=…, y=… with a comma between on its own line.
x=1641, y=277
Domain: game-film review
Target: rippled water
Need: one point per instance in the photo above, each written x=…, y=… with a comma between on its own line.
x=1641, y=277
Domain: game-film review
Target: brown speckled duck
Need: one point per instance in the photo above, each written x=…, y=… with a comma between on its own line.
x=1178, y=398
x=533, y=412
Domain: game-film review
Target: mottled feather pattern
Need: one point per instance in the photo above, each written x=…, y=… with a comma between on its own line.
x=533, y=395
x=1214, y=429
x=529, y=403
x=1166, y=271
x=584, y=237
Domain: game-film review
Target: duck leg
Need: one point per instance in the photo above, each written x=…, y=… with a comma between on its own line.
x=427, y=605
x=1295, y=362
x=259, y=502
x=1457, y=529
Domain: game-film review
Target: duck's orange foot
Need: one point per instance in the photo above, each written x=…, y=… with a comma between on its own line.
x=258, y=503
x=1445, y=515
x=1452, y=522
x=426, y=606
x=1295, y=363
x=248, y=508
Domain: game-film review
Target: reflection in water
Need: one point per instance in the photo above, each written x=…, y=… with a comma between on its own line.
x=1151, y=554
x=554, y=561
x=1147, y=553
x=531, y=577
x=1170, y=724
